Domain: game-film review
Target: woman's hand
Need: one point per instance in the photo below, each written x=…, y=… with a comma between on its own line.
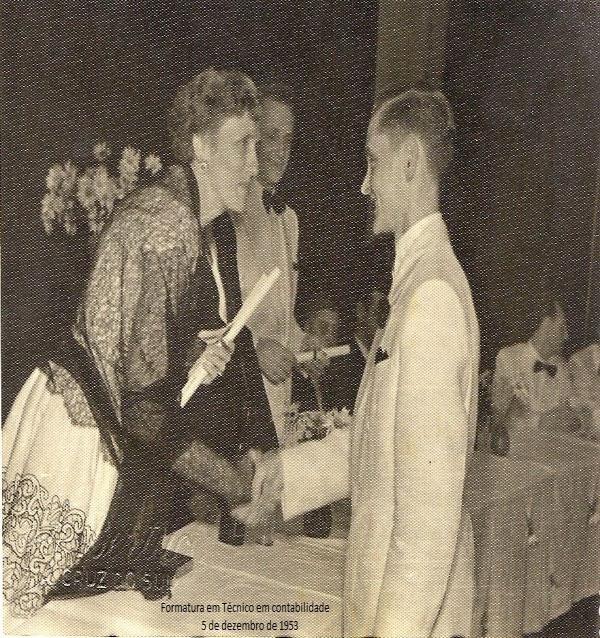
x=213, y=360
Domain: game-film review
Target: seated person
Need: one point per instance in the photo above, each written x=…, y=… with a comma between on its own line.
x=531, y=386
x=267, y=237
x=322, y=322
x=339, y=383
x=371, y=314
x=584, y=367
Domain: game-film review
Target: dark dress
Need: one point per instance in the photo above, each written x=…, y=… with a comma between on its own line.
x=137, y=360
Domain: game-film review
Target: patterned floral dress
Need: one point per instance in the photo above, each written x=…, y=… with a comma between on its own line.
x=150, y=292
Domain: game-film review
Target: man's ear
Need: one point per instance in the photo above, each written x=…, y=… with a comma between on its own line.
x=411, y=156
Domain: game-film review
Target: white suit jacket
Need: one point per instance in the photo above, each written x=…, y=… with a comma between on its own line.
x=584, y=367
x=266, y=240
x=409, y=564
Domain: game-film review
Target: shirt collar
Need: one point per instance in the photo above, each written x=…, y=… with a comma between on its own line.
x=534, y=355
x=406, y=241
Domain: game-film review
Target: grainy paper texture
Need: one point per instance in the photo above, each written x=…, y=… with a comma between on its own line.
x=402, y=441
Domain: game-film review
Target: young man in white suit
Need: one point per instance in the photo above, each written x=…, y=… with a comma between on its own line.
x=409, y=565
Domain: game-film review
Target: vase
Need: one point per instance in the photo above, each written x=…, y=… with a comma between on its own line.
x=317, y=524
x=231, y=531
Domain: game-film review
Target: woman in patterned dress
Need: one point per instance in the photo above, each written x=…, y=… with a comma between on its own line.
x=96, y=447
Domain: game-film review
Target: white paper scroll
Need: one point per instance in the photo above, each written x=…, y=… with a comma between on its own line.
x=329, y=353
x=197, y=373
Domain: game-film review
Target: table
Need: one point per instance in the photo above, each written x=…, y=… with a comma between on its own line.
x=574, y=523
x=521, y=511
x=510, y=504
x=294, y=569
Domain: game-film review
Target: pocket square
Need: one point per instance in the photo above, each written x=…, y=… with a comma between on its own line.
x=381, y=355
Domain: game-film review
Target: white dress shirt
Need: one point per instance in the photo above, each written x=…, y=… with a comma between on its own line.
x=214, y=266
x=522, y=397
x=266, y=240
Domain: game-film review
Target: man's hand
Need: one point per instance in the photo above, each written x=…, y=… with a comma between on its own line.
x=267, y=488
x=276, y=361
x=314, y=369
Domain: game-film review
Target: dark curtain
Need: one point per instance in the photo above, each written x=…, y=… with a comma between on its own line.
x=524, y=81
x=74, y=73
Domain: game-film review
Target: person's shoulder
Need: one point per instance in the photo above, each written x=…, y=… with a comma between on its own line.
x=436, y=260
x=583, y=355
x=434, y=291
x=158, y=215
x=579, y=361
x=434, y=301
x=165, y=196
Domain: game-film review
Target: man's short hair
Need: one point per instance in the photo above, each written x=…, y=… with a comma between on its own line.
x=423, y=112
x=277, y=92
x=537, y=311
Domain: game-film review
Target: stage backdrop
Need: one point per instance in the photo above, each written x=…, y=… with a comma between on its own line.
x=78, y=72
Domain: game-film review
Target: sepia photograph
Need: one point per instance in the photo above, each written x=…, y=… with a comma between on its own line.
x=300, y=318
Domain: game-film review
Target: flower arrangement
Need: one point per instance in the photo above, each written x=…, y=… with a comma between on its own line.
x=314, y=424
x=77, y=197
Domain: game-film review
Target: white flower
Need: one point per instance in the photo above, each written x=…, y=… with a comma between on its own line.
x=341, y=418
x=86, y=193
x=129, y=167
x=53, y=208
x=70, y=227
x=101, y=183
x=153, y=163
x=55, y=177
x=69, y=179
x=101, y=151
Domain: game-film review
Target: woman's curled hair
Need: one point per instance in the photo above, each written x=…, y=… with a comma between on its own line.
x=204, y=102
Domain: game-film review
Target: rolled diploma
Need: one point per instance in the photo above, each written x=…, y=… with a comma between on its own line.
x=330, y=353
x=258, y=293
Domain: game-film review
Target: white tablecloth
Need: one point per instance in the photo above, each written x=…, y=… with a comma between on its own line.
x=574, y=523
x=293, y=570
x=535, y=554
x=511, y=507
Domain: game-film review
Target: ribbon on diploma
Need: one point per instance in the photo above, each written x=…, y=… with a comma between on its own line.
x=322, y=353
x=197, y=373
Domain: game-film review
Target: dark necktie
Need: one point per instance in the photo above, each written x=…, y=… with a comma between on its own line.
x=273, y=202
x=550, y=368
x=224, y=235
